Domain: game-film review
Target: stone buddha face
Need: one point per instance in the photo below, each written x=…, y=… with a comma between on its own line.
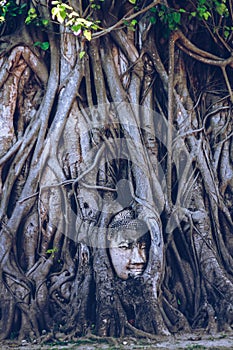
x=129, y=252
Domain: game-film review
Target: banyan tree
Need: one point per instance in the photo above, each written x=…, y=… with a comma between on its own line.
x=116, y=163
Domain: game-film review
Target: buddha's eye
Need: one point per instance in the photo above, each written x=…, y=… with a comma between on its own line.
x=142, y=245
x=124, y=245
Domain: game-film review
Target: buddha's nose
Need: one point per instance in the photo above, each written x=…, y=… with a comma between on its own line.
x=137, y=257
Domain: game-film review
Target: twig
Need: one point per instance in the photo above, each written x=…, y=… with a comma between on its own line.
x=96, y=187
x=127, y=19
x=140, y=333
x=221, y=142
x=227, y=82
x=195, y=131
x=190, y=46
x=94, y=337
x=11, y=152
x=97, y=157
x=71, y=181
x=219, y=62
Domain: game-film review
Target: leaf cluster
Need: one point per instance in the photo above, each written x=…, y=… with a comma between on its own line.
x=131, y=24
x=168, y=16
x=65, y=14
x=205, y=9
x=212, y=12
x=52, y=251
x=43, y=45
x=34, y=18
x=95, y=5
x=9, y=10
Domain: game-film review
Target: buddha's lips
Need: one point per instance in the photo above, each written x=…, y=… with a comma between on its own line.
x=136, y=270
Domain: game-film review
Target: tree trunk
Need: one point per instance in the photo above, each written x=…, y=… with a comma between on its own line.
x=124, y=138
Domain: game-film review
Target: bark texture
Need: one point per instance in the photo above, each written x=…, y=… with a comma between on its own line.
x=142, y=121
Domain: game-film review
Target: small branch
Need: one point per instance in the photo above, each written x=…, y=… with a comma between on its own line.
x=201, y=56
x=127, y=19
x=223, y=141
x=96, y=187
x=109, y=340
x=195, y=131
x=227, y=82
x=214, y=62
x=141, y=333
x=72, y=181
x=97, y=157
x=11, y=152
x=190, y=46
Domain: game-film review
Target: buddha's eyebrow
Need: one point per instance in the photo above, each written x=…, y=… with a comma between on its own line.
x=124, y=242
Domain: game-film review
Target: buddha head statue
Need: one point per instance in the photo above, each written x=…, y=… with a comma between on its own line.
x=129, y=244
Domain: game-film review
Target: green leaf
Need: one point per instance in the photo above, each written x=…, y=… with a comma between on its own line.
x=51, y=251
x=45, y=45
x=31, y=15
x=45, y=22
x=176, y=17
x=87, y=34
x=60, y=13
x=153, y=9
x=133, y=22
x=76, y=27
x=73, y=14
x=94, y=26
x=133, y=1
x=54, y=12
x=221, y=9
x=81, y=54
x=152, y=20
x=84, y=22
x=95, y=6
x=31, y=11
x=206, y=15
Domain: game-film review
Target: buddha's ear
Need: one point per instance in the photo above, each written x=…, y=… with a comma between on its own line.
x=155, y=231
